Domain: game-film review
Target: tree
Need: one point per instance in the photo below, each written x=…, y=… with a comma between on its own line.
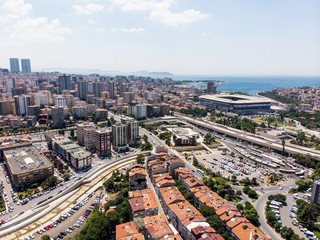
x=140, y=159
x=303, y=185
x=72, y=133
x=146, y=146
x=208, y=139
x=240, y=207
x=45, y=237
x=283, y=144
x=233, y=178
x=66, y=176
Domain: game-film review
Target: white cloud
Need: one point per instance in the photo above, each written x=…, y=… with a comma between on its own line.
x=206, y=34
x=38, y=30
x=160, y=11
x=99, y=30
x=141, y=5
x=88, y=9
x=128, y=30
x=13, y=9
x=174, y=19
x=92, y=21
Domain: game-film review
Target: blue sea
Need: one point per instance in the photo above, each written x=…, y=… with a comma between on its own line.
x=255, y=84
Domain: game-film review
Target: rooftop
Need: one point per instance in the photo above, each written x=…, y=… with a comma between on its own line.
x=26, y=159
x=239, y=99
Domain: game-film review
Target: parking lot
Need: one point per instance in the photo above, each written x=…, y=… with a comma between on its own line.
x=68, y=223
x=288, y=214
x=227, y=165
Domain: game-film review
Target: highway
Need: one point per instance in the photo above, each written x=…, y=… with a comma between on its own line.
x=250, y=137
x=32, y=215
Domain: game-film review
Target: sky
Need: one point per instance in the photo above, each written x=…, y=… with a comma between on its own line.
x=198, y=37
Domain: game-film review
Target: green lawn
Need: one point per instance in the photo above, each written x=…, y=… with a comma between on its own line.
x=318, y=218
x=317, y=234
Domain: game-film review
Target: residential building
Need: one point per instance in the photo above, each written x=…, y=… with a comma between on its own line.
x=57, y=116
x=137, y=177
x=40, y=99
x=90, y=138
x=132, y=129
x=70, y=152
x=7, y=107
x=103, y=142
x=60, y=101
x=128, y=97
x=97, y=88
x=33, y=110
x=78, y=112
x=111, y=89
x=82, y=89
x=143, y=203
x=80, y=130
x=127, y=231
x=140, y=111
x=64, y=83
x=315, y=197
x=22, y=102
x=211, y=88
x=119, y=137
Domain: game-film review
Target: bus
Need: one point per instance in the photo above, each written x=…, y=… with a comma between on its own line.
x=200, y=172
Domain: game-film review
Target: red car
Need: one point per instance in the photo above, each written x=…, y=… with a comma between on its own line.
x=85, y=216
x=3, y=222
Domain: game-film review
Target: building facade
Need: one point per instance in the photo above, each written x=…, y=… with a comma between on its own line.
x=25, y=65
x=14, y=65
x=103, y=142
x=22, y=102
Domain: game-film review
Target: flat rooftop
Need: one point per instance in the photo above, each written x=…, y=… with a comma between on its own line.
x=187, y=132
x=235, y=99
x=26, y=159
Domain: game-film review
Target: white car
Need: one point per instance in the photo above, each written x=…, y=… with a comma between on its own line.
x=280, y=188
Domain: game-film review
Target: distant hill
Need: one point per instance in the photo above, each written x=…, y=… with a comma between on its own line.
x=104, y=72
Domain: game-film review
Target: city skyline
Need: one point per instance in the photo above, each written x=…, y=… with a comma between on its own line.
x=180, y=37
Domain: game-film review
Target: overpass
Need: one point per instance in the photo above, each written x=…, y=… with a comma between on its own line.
x=250, y=137
x=160, y=119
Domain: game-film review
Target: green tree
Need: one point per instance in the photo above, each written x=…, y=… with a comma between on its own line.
x=45, y=237
x=140, y=159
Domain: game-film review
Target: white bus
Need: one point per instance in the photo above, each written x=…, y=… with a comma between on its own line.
x=200, y=172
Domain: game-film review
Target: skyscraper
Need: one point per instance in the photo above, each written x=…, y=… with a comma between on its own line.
x=110, y=89
x=211, y=88
x=119, y=138
x=25, y=65
x=57, y=116
x=315, y=197
x=22, y=103
x=82, y=89
x=103, y=142
x=14, y=65
x=97, y=88
x=64, y=82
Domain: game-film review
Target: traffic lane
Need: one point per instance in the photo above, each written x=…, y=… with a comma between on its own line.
x=70, y=221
